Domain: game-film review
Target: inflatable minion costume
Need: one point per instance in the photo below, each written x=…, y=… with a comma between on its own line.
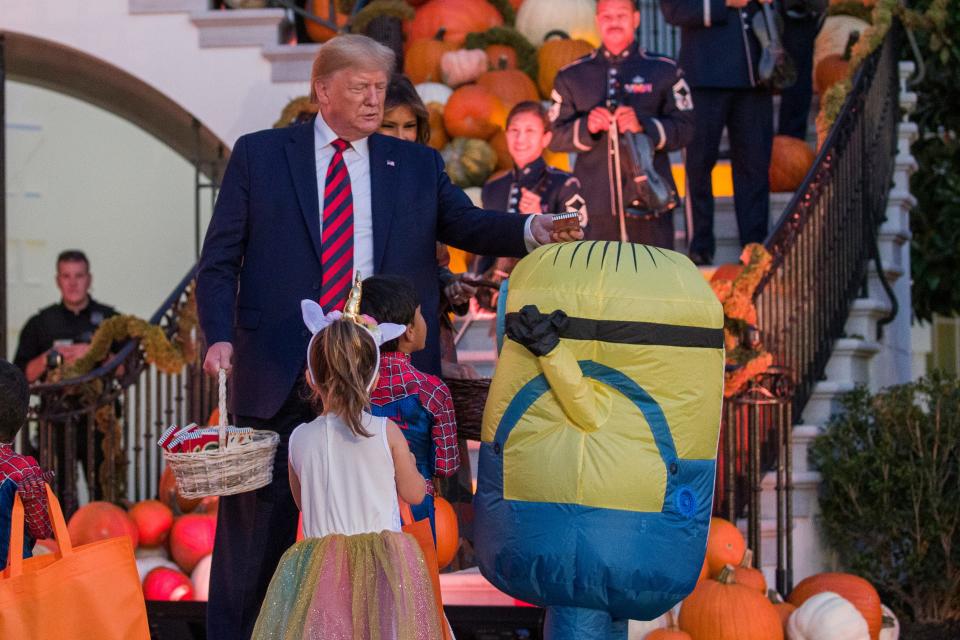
x=599, y=436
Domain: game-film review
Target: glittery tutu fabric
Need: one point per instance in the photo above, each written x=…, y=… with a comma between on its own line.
x=372, y=586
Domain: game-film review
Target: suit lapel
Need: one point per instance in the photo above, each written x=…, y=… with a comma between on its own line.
x=303, y=169
x=384, y=168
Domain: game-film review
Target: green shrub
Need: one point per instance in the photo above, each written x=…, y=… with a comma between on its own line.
x=890, y=493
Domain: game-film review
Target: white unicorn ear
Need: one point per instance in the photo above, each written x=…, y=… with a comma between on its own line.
x=389, y=331
x=313, y=316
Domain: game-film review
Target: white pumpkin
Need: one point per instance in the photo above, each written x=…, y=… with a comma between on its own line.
x=833, y=36
x=827, y=616
x=434, y=92
x=200, y=577
x=577, y=18
x=146, y=565
x=891, y=626
x=640, y=629
x=463, y=66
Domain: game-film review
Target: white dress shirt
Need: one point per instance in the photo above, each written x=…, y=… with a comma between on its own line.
x=357, y=158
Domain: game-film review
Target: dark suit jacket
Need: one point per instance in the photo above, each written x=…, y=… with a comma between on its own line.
x=261, y=254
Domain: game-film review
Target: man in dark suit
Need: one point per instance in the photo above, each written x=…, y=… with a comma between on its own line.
x=299, y=212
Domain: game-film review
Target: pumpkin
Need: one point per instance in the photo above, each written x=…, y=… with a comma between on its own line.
x=704, y=571
x=558, y=160
x=725, y=545
x=576, y=18
x=554, y=55
x=727, y=271
x=499, y=144
x=473, y=112
x=99, y=521
x=200, y=577
x=854, y=589
x=784, y=609
x=830, y=70
x=459, y=17
x=170, y=496
x=891, y=625
x=827, y=616
x=671, y=632
x=421, y=62
x=434, y=92
x=790, y=161
x=438, y=133
x=510, y=85
x=167, y=584
x=745, y=574
x=153, y=520
x=192, y=538
x=469, y=163
x=508, y=43
x=146, y=565
x=318, y=32
x=834, y=36
x=721, y=609
x=462, y=66
x=501, y=56
x=448, y=531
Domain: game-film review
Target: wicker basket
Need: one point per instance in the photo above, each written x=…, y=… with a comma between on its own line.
x=229, y=469
x=469, y=398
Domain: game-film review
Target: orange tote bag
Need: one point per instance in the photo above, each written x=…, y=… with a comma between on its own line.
x=421, y=532
x=90, y=592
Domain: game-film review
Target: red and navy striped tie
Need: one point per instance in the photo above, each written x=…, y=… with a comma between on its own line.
x=336, y=239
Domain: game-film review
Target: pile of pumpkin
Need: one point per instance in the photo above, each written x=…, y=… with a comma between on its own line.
x=172, y=538
x=732, y=602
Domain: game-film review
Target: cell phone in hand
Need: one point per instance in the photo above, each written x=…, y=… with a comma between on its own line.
x=569, y=221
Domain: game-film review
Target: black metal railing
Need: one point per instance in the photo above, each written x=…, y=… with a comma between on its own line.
x=119, y=409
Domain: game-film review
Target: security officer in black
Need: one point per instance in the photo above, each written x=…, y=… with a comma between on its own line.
x=720, y=54
x=62, y=333
x=620, y=84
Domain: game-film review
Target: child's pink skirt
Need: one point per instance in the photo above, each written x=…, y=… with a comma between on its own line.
x=370, y=586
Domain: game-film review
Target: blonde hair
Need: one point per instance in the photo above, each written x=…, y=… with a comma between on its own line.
x=344, y=359
x=350, y=50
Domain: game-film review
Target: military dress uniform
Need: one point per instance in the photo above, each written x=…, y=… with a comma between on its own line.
x=656, y=89
x=720, y=54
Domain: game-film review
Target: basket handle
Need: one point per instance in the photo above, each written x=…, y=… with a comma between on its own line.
x=222, y=407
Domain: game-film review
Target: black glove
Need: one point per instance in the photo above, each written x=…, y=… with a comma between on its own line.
x=537, y=332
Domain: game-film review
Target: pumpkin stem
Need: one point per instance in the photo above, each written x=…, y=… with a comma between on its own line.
x=556, y=33
x=774, y=597
x=441, y=33
x=747, y=561
x=851, y=41
x=726, y=575
x=502, y=62
x=671, y=621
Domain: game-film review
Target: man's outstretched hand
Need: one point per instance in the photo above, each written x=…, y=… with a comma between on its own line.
x=542, y=229
x=219, y=356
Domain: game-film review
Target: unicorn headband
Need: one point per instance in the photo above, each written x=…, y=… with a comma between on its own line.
x=316, y=321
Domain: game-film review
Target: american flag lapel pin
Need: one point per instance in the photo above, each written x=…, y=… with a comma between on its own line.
x=391, y=163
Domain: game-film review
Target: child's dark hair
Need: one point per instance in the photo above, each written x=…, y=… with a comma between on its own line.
x=343, y=357
x=402, y=93
x=389, y=299
x=14, y=400
x=533, y=107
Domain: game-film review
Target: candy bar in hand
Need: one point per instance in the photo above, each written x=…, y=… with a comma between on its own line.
x=569, y=221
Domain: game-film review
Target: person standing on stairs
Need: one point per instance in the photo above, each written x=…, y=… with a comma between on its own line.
x=802, y=20
x=620, y=88
x=719, y=53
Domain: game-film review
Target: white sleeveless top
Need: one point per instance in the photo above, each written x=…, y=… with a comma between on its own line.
x=347, y=481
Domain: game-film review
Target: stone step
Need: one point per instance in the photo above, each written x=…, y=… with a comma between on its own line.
x=809, y=553
x=239, y=28
x=802, y=437
x=290, y=63
x=864, y=314
x=805, y=487
x=135, y=7
x=823, y=400
x=850, y=360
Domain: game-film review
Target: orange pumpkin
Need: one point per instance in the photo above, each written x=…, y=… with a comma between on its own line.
x=191, y=539
x=499, y=144
x=448, y=531
x=784, y=609
x=421, y=62
x=99, y=521
x=438, y=133
x=830, y=70
x=721, y=609
x=859, y=592
x=725, y=545
x=790, y=161
x=553, y=56
x=473, y=112
x=747, y=576
x=460, y=17
x=501, y=56
x=153, y=520
x=170, y=496
x=671, y=632
x=727, y=271
x=704, y=571
x=510, y=85
x=319, y=32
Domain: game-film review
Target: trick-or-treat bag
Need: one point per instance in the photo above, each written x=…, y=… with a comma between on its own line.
x=90, y=592
x=599, y=437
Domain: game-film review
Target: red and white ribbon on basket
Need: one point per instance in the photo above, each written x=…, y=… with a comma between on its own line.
x=194, y=438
